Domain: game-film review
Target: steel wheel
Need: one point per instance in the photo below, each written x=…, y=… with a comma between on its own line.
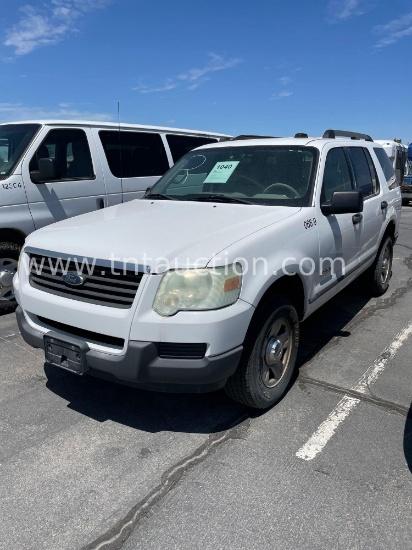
x=269, y=355
x=8, y=267
x=276, y=352
x=386, y=264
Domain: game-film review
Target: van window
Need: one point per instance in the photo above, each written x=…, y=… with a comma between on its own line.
x=134, y=154
x=69, y=149
x=386, y=167
x=14, y=139
x=180, y=145
x=365, y=183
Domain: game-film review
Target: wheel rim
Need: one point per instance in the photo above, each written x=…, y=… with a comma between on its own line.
x=276, y=352
x=386, y=264
x=8, y=267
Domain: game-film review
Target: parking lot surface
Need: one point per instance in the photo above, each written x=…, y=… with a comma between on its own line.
x=89, y=464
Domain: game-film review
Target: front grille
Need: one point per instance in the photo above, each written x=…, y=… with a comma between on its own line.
x=86, y=334
x=182, y=351
x=104, y=286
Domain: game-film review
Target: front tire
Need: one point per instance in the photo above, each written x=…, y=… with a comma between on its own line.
x=9, y=257
x=269, y=355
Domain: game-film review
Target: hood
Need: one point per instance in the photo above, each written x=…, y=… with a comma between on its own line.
x=158, y=234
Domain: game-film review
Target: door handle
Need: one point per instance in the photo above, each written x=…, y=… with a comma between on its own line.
x=357, y=218
x=384, y=205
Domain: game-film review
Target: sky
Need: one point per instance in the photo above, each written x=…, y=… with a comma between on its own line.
x=268, y=67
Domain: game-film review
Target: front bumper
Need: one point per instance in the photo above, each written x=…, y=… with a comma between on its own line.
x=141, y=365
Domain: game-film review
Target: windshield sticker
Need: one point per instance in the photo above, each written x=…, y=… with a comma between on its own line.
x=221, y=172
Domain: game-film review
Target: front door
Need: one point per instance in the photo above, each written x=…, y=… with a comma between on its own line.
x=339, y=235
x=77, y=186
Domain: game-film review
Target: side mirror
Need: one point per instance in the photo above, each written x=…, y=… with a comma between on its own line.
x=343, y=202
x=47, y=171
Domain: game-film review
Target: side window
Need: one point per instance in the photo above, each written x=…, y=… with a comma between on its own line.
x=70, y=155
x=180, y=145
x=134, y=154
x=387, y=167
x=336, y=175
x=361, y=170
x=372, y=170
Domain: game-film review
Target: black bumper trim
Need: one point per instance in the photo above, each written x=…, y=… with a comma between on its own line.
x=141, y=365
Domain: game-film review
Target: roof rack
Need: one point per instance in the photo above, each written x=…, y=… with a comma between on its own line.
x=301, y=135
x=331, y=134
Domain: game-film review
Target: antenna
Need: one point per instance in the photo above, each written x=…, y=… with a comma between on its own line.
x=120, y=149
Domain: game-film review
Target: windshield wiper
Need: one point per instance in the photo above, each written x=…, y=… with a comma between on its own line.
x=159, y=196
x=216, y=198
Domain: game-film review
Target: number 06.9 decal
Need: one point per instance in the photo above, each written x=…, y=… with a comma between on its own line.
x=307, y=224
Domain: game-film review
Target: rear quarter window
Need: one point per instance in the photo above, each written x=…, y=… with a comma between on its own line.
x=387, y=167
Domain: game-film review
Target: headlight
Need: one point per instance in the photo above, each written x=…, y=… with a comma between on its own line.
x=198, y=289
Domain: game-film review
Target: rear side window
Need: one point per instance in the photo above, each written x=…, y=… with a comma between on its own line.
x=69, y=150
x=180, y=145
x=386, y=167
x=134, y=154
x=365, y=180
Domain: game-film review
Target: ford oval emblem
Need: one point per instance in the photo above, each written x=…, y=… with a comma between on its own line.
x=74, y=279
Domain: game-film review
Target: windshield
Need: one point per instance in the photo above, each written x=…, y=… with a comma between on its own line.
x=14, y=139
x=266, y=175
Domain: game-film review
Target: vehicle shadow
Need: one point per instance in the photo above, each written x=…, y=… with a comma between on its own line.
x=192, y=413
x=6, y=311
x=407, y=440
x=329, y=321
x=145, y=410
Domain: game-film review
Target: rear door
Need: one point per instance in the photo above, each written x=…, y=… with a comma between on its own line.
x=78, y=186
x=373, y=215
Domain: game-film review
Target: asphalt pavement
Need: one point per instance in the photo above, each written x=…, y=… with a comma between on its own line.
x=87, y=464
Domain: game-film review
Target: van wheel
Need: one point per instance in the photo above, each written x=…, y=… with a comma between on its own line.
x=9, y=256
x=377, y=277
x=269, y=355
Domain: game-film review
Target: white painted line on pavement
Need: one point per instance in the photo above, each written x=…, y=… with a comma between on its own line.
x=321, y=436
x=318, y=440
x=380, y=363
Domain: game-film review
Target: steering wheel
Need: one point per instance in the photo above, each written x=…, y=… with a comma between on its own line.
x=284, y=186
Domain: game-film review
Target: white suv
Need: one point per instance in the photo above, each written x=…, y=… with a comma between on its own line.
x=202, y=284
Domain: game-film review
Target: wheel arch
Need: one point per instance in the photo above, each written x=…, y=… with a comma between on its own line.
x=290, y=286
x=390, y=231
x=12, y=236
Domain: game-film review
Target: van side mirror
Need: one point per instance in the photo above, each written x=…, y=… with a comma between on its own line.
x=343, y=202
x=47, y=171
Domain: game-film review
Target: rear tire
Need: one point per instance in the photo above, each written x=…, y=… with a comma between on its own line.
x=377, y=277
x=9, y=256
x=405, y=202
x=269, y=355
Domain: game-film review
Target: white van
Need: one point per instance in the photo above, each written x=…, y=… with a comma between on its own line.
x=397, y=153
x=52, y=170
